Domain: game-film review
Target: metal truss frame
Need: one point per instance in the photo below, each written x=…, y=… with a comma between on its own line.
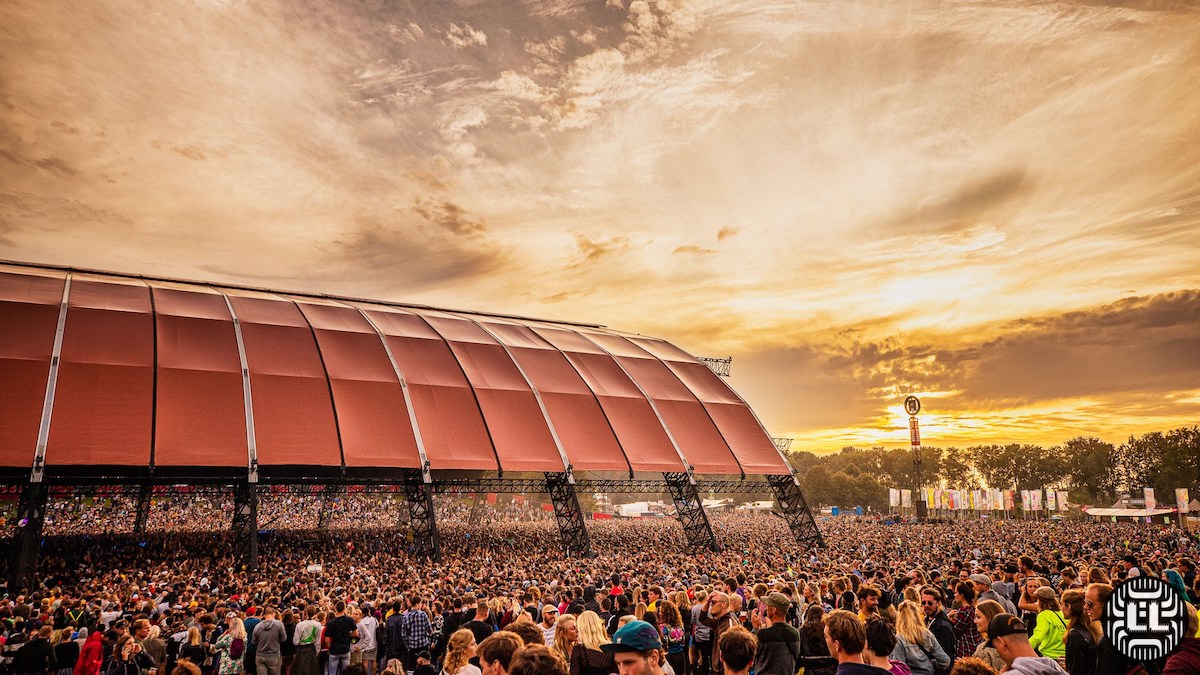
x=27, y=539
x=795, y=510
x=690, y=511
x=571, y=526
x=245, y=525
x=421, y=516
x=418, y=492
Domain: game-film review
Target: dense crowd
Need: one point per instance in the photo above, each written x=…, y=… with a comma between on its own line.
x=924, y=599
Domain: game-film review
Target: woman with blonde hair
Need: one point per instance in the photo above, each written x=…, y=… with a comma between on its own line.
x=458, y=654
x=231, y=648
x=566, y=634
x=915, y=645
x=587, y=658
x=639, y=610
x=985, y=611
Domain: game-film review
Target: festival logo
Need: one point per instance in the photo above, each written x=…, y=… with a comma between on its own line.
x=1145, y=618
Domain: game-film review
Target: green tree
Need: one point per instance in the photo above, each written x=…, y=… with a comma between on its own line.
x=1088, y=463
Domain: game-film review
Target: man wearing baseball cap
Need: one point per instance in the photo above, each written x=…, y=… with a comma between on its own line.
x=637, y=649
x=984, y=591
x=778, y=641
x=1006, y=633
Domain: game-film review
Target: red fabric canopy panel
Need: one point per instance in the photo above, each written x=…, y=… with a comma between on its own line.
x=150, y=374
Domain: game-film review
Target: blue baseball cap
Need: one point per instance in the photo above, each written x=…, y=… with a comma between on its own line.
x=635, y=636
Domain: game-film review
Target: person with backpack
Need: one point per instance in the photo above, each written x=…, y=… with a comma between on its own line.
x=230, y=648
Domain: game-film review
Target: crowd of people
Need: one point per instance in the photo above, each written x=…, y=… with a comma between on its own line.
x=962, y=597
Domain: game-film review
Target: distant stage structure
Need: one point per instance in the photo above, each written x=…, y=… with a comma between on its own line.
x=156, y=384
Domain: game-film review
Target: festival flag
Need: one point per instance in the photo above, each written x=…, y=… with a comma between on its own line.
x=1026, y=501
x=1051, y=501
x=1181, y=499
x=937, y=498
x=1037, y=499
x=1010, y=500
x=1149, y=495
x=906, y=498
x=893, y=497
x=1062, y=500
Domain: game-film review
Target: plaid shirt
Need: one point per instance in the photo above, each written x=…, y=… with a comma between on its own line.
x=418, y=631
x=966, y=635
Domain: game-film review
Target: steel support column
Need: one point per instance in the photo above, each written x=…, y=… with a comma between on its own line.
x=27, y=538
x=326, y=513
x=690, y=511
x=476, y=509
x=143, y=509
x=795, y=510
x=245, y=524
x=571, y=527
x=421, y=516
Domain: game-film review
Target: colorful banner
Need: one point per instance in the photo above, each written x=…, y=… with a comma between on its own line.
x=937, y=498
x=906, y=498
x=1037, y=499
x=893, y=497
x=930, y=493
x=1026, y=501
x=1051, y=500
x=1181, y=499
x=1062, y=500
x=1149, y=496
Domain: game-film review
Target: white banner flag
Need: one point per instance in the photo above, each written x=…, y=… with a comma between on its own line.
x=906, y=498
x=893, y=497
x=1062, y=500
x=1149, y=495
x=1181, y=499
x=1051, y=500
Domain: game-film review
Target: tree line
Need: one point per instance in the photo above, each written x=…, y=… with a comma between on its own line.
x=1094, y=472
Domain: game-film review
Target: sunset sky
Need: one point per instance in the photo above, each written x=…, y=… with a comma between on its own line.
x=993, y=205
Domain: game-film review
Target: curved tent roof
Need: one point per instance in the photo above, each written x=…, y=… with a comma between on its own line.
x=196, y=379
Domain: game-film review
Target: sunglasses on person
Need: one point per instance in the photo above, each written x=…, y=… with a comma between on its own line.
x=928, y=603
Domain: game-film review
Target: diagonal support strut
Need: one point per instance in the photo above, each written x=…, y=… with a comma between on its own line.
x=571, y=526
x=795, y=511
x=690, y=510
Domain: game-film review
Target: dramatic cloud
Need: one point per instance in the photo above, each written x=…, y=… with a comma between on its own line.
x=992, y=203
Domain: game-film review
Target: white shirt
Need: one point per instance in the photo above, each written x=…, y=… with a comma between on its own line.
x=366, y=633
x=307, y=632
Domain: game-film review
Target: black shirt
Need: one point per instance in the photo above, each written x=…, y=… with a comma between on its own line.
x=338, y=631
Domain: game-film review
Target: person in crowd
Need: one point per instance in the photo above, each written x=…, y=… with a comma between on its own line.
x=459, y=652
x=566, y=635
x=1185, y=659
x=674, y=636
x=416, y=630
x=985, y=611
x=269, y=636
x=549, y=623
x=231, y=648
x=340, y=631
x=717, y=617
x=537, y=660
x=636, y=649
x=984, y=590
x=969, y=665
x=738, y=647
x=814, y=650
x=36, y=656
x=778, y=642
x=966, y=634
x=1009, y=636
x=1048, y=637
x=497, y=650
x=937, y=622
x=846, y=638
x=915, y=644
x=128, y=658
x=881, y=642
x=307, y=638
x=1082, y=635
